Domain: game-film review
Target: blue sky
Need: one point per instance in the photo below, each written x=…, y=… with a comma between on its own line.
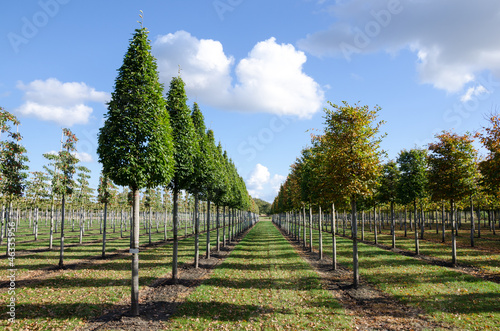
x=261, y=71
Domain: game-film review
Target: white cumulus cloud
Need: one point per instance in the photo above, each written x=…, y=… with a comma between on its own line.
x=475, y=91
x=262, y=185
x=270, y=79
x=452, y=40
x=259, y=176
x=63, y=103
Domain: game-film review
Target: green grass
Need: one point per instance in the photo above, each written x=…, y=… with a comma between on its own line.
x=262, y=285
x=71, y=297
x=488, y=261
x=448, y=296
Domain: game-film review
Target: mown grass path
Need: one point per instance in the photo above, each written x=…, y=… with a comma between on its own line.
x=263, y=285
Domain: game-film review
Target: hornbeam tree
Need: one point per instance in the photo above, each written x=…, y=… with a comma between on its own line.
x=452, y=174
x=135, y=143
x=352, y=155
x=185, y=150
x=202, y=174
x=214, y=183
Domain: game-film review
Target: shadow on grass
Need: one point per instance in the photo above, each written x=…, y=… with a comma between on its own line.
x=223, y=311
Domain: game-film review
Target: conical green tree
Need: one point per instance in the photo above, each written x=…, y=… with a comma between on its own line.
x=203, y=172
x=186, y=148
x=135, y=143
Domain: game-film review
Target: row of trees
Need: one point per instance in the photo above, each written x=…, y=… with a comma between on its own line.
x=344, y=168
x=149, y=141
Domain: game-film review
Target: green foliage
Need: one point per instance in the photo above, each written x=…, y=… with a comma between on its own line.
x=135, y=143
x=106, y=190
x=205, y=159
x=84, y=191
x=352, y=148
x=13, y=158
x=453, y=168
x=389, y=182
x=490, y=167
x=413, y=182
x=186, y=146
x=264, y=206
x=64, y=164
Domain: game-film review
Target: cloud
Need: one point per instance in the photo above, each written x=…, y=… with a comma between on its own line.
x=262, y=185
x=450, y=39
x=270, y=79
x=259, y=176
x=474, y=92
x=63, y=103
x=81, y=156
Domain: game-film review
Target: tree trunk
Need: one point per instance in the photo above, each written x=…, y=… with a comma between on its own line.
x=134, y=249
x=175, y=221
x=208, y=230
x=355, y=261
x=104, y=231
x=149, y=224
x=472, y=224
x=310, y=229
x=61, y=249
x=320, y=234
x=453, y=238
x=393, y=226
x=304, y=226
x=36, y=223
x=223, y=226
x=196, y=232
x=51, y=235
x=415, y=213
x=165, y=221
x=334, y=239
x=478, y=222
x=405, y=223
x=4, y=225
x=363, y=226
x=218, y=228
